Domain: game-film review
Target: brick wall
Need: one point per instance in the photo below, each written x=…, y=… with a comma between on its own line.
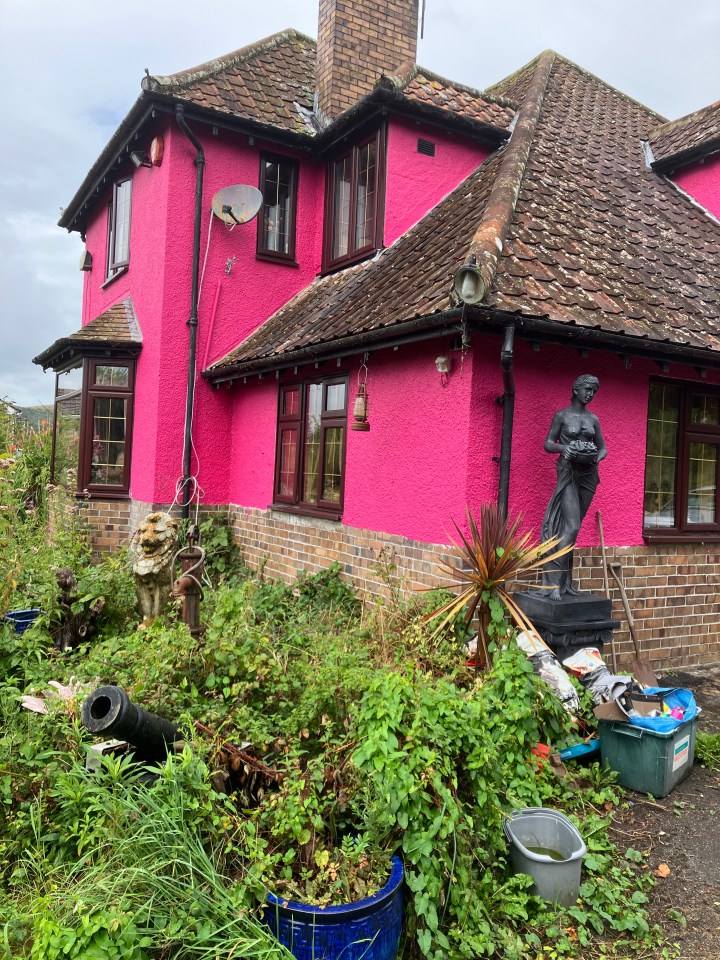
x=358, y=41
x=672, y=590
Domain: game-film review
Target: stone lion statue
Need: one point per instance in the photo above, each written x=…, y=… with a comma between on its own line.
x=153, y=547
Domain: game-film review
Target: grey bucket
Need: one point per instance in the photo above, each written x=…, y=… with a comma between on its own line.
x=557, y=881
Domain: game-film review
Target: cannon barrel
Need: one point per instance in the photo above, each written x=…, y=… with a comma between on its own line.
x=110, y=712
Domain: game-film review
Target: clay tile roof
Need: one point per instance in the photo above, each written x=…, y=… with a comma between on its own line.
x=117, y=327
x=689, y=138
x=567, y=225
x=263, y=81
x=432, y=90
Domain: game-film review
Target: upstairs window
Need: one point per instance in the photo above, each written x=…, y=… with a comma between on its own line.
x=682, y=465
x=353, y=203
x=276, y=224
x=310, y=451
x=118, y=245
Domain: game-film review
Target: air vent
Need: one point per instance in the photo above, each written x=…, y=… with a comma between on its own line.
x=426, y=146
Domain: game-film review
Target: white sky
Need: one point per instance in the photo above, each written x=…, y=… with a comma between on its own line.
x=71, y=69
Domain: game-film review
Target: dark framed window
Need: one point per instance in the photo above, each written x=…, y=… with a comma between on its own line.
x=118, y=243
x=92, y=437
x=354, y=202
x=276, y=223
x=682, y=463
x=310, y=450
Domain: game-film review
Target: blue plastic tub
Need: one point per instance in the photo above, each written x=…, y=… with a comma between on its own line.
x=22, y=619
x=367, y=929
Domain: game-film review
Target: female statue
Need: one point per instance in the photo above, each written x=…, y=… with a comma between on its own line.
x=576, y=435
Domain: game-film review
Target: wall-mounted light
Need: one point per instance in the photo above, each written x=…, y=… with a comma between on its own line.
x=468, y=284
x=360, y=407
x=86, y=260
x=140, y=159
x=443, y=365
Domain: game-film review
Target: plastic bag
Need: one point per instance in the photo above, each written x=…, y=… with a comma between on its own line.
x=674, y=697
x=547, y=666
x=589, y=667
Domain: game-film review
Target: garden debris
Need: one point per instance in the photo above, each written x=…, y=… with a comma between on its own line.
x=589, y=667
x=663, y=870
x=68, y=694
x=547, y=666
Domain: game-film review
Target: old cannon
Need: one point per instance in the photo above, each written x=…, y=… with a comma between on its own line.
x=110, y=712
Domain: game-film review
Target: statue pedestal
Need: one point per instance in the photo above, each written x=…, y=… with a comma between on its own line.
x=569, y=624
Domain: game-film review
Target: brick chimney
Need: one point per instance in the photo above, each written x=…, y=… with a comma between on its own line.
x=358, y=41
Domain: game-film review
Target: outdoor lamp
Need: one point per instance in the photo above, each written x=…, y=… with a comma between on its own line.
x=468, y=284
x=140, y=159
x=360, y=410
x=443, y=365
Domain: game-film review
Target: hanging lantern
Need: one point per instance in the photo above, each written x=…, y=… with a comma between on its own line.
x=360, y=407
x=360, y=410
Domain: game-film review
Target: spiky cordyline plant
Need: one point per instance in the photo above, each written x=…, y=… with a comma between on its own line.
x=494, y=554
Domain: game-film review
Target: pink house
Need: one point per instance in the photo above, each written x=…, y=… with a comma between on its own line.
x=386, y=342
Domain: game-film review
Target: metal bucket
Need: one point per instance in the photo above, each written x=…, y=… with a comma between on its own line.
x=545, y=845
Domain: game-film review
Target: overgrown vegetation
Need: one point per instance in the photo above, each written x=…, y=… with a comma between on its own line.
x=376, y=738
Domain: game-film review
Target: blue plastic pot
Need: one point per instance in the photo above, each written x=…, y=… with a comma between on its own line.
x=367, y=929
x=22, y=619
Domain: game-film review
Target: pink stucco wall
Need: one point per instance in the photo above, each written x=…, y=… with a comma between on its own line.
x=703, y=183
x=416, y=182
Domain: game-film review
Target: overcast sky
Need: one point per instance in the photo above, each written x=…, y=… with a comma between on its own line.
x=71, y=69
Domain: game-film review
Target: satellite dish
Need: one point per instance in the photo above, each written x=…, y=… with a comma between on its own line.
x=237, y=204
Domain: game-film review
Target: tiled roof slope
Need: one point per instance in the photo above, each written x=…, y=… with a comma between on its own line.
x=117, y=327
x=695, y=135
x=583, y=235
x=432, y=90
x=263, y=81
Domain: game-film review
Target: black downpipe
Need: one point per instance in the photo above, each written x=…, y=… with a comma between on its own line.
x=193, y=320
x=508, y=405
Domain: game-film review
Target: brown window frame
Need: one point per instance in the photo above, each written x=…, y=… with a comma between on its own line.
x=263, y=252
x=688, y=433
x=355, y=254
x=297, y=422
x=114, y=267
x=90, y=392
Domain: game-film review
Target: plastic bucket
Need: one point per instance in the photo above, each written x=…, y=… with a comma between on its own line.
x=545, y=845
x=22, y=619
x=367, y=929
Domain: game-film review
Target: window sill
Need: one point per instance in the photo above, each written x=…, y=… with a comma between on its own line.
x=306, y=511
x=279, y=260
x=351, y=261
x=101, y=495
x=656, y=536
x=116, y=276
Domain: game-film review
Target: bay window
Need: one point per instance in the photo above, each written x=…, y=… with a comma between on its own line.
x=93, y=426
x=310, y=450
x=682, y=464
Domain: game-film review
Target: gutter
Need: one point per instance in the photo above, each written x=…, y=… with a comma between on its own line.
x=422, y=328
x=193, y=319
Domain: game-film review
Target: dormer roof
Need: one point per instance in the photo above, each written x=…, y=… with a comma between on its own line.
x=687, y=140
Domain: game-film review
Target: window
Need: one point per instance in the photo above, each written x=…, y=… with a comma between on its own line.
x=118, y=245
x=353, y=204
x=682, y=462
x=310, y=451
x=276, y=224
x=93, y=427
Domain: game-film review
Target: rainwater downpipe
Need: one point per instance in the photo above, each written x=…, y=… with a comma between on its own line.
x=508, y=404
x=193, y=319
